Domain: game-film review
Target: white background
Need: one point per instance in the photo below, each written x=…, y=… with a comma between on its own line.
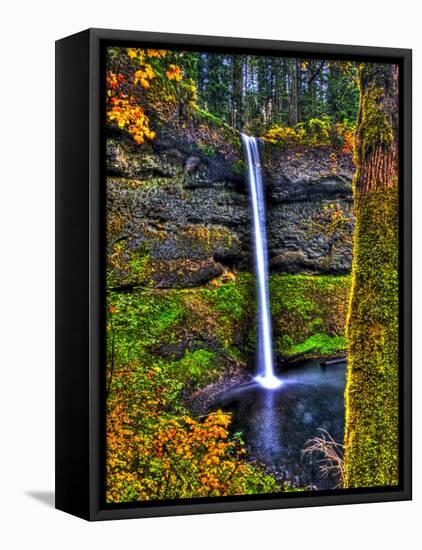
x=26, y=254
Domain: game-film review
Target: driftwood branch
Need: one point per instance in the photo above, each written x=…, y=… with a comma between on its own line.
x=296, y=356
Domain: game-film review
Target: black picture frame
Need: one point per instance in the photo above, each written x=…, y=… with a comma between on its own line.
x=80, y=215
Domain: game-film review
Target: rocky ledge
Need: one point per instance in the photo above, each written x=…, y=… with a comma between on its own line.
x=179, y=215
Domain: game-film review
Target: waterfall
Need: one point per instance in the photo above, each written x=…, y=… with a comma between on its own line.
x=265, y=357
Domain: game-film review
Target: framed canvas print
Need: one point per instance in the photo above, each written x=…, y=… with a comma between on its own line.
x=233, y=274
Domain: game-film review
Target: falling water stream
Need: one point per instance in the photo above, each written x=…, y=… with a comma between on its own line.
x=277, y=415
x=265, y=357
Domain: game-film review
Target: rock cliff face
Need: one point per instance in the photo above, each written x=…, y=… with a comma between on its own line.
x=178, y=215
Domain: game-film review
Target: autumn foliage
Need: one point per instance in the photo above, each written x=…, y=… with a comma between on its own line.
x=147, y=81
x=154, y=455
x=174, y=73
x=126, y=113
x=316, y=132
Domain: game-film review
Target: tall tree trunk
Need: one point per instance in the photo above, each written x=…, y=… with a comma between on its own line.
x=371, y=436
x=245, y=84
x=293, y=93
x=237, y=90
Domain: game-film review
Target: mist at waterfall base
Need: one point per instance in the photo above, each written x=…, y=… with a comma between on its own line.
x=278, y=414
x=265, y=357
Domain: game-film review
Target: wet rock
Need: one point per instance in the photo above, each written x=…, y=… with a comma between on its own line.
x=184, y=273
x=126, y=159
x=189, y=212
x=281, y=190
x=311, y=237
x=192, y=163
x=308, y=174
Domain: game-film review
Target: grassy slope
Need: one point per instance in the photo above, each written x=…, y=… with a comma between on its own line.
x=309, y=312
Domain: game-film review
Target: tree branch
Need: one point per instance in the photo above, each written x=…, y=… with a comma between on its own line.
x=316, y=73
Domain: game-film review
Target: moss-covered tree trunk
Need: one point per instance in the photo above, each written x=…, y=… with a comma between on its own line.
x=371, y=437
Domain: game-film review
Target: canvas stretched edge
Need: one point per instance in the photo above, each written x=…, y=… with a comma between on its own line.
x=97, y=509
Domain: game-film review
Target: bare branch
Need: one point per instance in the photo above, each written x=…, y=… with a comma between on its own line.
x=316, y=73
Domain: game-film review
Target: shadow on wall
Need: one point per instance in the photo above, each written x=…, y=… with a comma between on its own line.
x=45, y=497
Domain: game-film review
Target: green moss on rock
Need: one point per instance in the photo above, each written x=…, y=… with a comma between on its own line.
x=309, y=313
x=321, y=344
x=234, y=303
x=205, y=240
x=193, y=334
x=200, y=365
x=127, y=267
